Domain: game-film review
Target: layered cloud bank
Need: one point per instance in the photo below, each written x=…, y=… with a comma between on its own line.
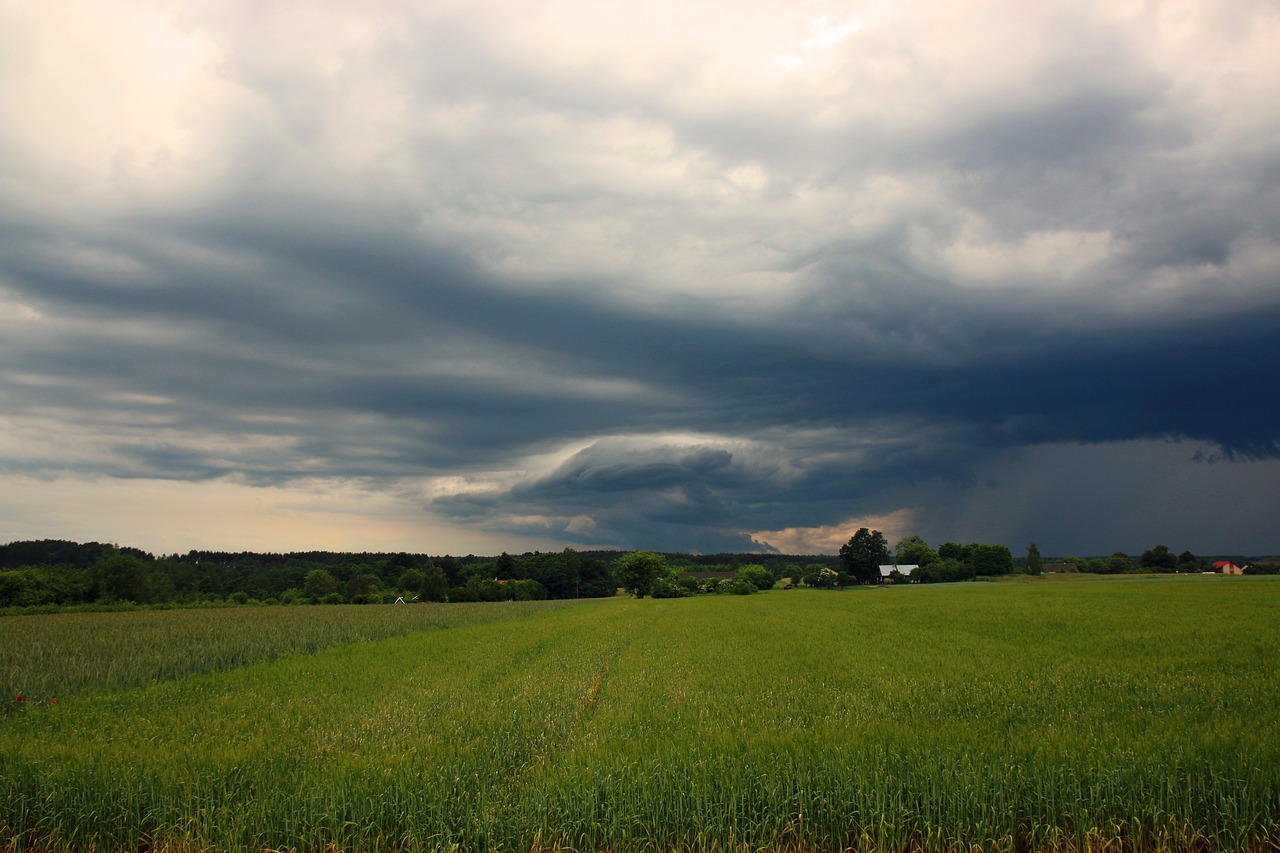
x=486, y=276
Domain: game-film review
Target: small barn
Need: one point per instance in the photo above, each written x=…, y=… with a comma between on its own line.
x=885, y=571
x=1227, y=567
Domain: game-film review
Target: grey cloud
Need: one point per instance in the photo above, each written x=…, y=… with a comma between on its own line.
x=666, y=496
x=1017, y=381
x=1153, y=492
x=364, y=320
x=596, y=470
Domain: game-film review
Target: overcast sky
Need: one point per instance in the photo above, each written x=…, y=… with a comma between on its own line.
x=465, y=277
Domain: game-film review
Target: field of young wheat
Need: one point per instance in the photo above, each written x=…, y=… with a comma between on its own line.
x=51, y=656
x=1127, y=715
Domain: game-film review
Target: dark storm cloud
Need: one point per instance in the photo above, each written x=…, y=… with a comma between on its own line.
x=663, y=495
x=1106, y=387
x=659, y=309
x=352, y=325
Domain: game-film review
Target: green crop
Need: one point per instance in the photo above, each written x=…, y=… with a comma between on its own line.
x=1135, y=715
x=53, y=656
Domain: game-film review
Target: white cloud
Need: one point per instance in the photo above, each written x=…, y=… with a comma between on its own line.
x=1036, y=260
x=116, y=103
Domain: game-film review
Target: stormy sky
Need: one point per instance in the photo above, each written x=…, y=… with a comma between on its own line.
x=465, y=277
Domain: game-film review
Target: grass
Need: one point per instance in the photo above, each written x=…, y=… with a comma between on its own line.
x=57, y=655
x=1014, y=717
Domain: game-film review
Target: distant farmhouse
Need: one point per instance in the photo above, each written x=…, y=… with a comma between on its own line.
x=885, y=571
x=1227, y=567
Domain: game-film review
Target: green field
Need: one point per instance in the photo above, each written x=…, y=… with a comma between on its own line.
x=49, y=657
x=1126, y=715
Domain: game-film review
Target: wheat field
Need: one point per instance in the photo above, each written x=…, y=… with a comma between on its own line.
x=1127, y=715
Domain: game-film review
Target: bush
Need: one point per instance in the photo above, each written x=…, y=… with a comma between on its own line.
x=318, y=584
x=638, y=571
x=527, y=590
x=819, y=576
x=665, y=588
x=758, y=576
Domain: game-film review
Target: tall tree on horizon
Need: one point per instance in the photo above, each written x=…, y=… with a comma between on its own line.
x=638, y=572
x=863, y=555
x=1035, y=565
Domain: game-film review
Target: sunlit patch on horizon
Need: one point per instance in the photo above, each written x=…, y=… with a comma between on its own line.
x=827, y=539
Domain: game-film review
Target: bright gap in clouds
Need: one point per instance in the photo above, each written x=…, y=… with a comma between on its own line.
x=895, y=525
x=172, y=516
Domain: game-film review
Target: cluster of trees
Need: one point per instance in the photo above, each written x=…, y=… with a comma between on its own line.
x=1161, y=559
x=954, y=561
x=862, y=556
x=57, y=573
x=644, y=573
x=866, y=551
x=779, y=565
x=1158, y=559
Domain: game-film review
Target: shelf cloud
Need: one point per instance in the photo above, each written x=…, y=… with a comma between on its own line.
x=502, y=276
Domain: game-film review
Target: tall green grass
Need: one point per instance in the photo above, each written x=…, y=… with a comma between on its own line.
x=1136, y=716
x=54, y=656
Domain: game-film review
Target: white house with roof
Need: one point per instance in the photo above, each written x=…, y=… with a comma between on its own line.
x=885, y=571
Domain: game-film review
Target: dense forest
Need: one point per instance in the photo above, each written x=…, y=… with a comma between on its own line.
x=60, y=573
x=57, y=573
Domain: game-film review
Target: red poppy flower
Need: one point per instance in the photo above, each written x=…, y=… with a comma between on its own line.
x=53, y=701
x=20, y=697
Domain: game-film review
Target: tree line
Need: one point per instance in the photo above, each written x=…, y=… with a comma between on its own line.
x=645, y=573
x=866, y=551
x=1160, y=559
x=59, y=573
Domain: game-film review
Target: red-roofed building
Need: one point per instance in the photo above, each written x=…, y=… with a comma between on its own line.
x=1227, y=567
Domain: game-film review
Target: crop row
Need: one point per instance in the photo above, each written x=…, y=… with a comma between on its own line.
x=53, y=656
